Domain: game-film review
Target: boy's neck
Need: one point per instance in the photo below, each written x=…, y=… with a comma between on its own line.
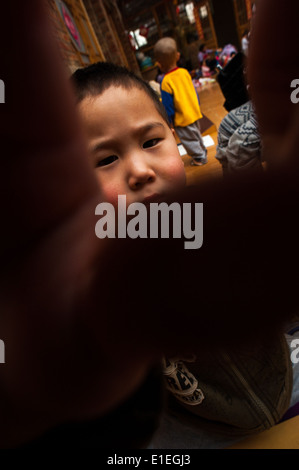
x=171, y=67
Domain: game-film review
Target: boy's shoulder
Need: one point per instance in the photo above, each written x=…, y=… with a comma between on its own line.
x=177, y=71
x=176, y=74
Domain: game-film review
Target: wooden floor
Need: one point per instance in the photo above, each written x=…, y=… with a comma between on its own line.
x=282, y=436
x=211, y=101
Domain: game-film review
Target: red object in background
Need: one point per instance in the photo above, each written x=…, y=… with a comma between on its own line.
x=69, y=22
x=177, y=10
x=143, y=31
x=132, y=42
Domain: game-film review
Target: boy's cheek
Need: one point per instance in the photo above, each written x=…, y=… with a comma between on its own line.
x=109, y=192
x=176, y=172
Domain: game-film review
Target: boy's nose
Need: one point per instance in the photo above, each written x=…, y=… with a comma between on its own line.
x=140, y=173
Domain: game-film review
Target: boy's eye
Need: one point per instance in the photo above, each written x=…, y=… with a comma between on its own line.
x=107, y=161
x=151, y=143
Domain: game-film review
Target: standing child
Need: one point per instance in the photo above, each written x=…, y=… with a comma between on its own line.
x=180, y=100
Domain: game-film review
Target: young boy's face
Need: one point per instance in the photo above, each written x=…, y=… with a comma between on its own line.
x=132, y=148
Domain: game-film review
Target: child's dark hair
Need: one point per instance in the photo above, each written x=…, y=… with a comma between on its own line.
x=94, y=79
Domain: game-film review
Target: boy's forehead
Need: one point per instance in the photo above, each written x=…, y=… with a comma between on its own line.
x=119, y=111
x=117, y=99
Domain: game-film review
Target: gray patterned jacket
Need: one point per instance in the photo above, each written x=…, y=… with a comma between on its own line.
x=239, y=144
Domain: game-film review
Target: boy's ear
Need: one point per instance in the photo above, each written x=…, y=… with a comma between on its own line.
x=178, y=55
x=158, y=65
x=174, y=134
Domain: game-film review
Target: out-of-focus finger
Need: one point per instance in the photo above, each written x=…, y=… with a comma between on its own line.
x=45, y=174
x=273, y=62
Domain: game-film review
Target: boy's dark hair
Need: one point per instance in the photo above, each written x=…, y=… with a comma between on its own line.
x=94, y=79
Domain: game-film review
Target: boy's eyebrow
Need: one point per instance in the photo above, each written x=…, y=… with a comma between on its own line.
x=139, y=130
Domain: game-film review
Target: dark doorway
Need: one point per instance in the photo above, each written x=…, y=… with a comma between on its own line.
x=225, y=23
